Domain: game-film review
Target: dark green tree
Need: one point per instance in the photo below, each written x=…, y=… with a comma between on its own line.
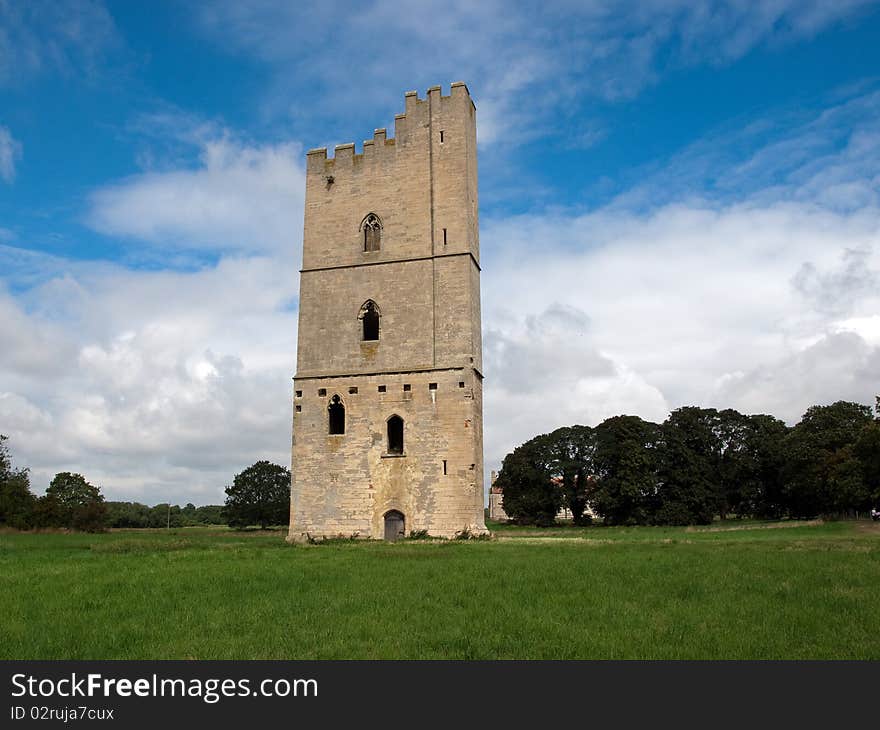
x=530, y=495
x=211, y=514
x=689, y=473
x=78, y=503
x=571, y=453
x=867, y=451
x=821, y=462
x=756, y=475
x=626, y=468
x=48, y=513
x=259, y=495
x=17, y=502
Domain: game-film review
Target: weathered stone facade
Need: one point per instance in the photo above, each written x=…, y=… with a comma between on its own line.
x=391, y=233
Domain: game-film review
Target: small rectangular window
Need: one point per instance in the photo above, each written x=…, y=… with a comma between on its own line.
x=407, y=387
x=432, y=386
x=353, y=390
x=299, y=394
x=381, y=388
x=461, y=384
x=299, y=409
x=322, y=391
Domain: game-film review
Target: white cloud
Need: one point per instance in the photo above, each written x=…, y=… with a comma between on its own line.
x=682, y=305
x=155, y=385
x=238, y=197
x=162, y=384
x=10, y=151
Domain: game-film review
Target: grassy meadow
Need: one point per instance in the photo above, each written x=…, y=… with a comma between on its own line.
x=733, y=591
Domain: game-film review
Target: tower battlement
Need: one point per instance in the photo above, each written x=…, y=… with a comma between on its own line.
x=418, y=112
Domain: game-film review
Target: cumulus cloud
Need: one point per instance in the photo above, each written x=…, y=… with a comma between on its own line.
x=237, y=197
x=156, y=385
x=10, y=151
x=685, y=299
x=763, y=298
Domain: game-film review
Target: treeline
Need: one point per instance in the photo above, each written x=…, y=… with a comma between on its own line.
x=259, y=495
x=698, y=464
x=135, y=514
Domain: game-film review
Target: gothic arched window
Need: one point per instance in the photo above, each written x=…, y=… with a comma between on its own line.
x=372, y=230
x=369, y=316
x=395, y=435
x=336, y=416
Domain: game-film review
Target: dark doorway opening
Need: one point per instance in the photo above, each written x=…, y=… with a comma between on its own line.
x=395, y=435
x=394, y=525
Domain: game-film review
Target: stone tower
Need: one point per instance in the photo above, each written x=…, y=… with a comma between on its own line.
x=388, y=407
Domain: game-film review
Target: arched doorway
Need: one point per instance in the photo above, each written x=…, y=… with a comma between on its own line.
x=394, y=525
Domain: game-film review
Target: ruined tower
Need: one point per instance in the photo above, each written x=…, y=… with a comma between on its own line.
x=388, y=408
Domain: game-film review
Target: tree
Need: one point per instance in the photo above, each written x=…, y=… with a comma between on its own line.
x=867, y=451
x=77, y=503
x=626, y=467
x=757, y=468
x=530, y=495
x=689, y=468
x=259, y=495
x=571, y=453
x=821, y=462
x=16, y=499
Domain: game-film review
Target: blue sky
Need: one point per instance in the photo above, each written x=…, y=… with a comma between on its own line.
x=680, y=197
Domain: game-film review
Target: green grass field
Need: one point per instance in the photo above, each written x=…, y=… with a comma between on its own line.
x=810, y=591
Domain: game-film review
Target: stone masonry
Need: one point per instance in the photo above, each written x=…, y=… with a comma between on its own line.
x=393, y=233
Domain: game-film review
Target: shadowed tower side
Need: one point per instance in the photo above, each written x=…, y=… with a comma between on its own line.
x=388, y=407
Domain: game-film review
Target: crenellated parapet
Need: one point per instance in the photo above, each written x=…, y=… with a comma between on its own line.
x=408, y=128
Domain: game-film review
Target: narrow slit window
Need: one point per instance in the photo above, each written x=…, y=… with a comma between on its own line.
x=444, y=467
x=444, y=236
x=395, y=435
x=336, y=416
x=441, y=136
